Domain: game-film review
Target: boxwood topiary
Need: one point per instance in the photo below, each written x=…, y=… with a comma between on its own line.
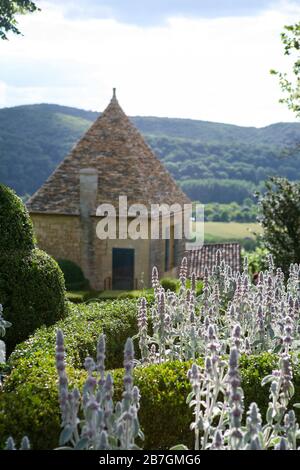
x=15, y=224
x=32, y=292
x=32, y=289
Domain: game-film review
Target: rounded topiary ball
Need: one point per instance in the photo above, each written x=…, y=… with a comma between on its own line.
x=16, y=229
x=32, y=287
x=32, y=291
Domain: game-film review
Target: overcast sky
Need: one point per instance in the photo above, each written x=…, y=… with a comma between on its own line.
x=198, y=59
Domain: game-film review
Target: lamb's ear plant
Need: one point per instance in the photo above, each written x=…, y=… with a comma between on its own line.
x=10, y=444
x=4, y=324
x=232, y=315
x=91, y=420
x=266, y=311
x=224, y=429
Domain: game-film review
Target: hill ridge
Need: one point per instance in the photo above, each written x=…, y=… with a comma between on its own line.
x=213, y=162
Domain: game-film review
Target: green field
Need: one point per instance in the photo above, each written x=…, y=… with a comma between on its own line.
x=230, y=230
x=222, y=232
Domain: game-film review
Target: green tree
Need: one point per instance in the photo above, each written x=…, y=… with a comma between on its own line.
x=279, y=214
x=9, y=9
x=290, y=83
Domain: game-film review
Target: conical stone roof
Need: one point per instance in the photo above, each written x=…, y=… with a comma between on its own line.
x=125, y=164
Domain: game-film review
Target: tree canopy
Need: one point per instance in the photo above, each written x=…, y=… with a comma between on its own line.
x=9, y=9
x=280, y=217
x=290, y=82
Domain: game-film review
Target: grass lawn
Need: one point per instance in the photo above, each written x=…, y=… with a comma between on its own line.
x=230, y=230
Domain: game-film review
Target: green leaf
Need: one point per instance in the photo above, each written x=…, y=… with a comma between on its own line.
x=270, y=414
x=277, y=349
x=65, y=435
x=266, y=380
x=190, y=397
x=271, y=332
x=82, y=443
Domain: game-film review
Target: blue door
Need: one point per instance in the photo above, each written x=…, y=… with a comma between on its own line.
x=123, y=268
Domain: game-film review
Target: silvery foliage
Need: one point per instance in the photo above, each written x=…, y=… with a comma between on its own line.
x=104, y=425
x=3, y=325
x=217, y=401
x=232, y=316
x=266, y=312
x=10, y=444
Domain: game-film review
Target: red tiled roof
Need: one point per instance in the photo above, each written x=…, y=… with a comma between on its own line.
x=205, y=257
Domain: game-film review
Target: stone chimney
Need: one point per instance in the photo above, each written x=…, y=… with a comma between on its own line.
x=88, y=200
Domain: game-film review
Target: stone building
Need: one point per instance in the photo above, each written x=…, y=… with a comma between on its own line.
x=111, y=160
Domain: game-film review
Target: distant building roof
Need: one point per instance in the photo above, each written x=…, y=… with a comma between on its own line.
x=205, y=257
x=125, y=164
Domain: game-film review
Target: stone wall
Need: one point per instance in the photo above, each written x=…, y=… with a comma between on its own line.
x=58, y=235
x=62, y=237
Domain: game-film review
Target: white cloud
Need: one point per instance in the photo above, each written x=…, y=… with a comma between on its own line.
x=210, y=69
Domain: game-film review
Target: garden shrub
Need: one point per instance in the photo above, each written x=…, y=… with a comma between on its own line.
x=170, y=284
x=15, y=224
x=32, y=383
x=137, y=294
x=257, y=260
x=76, y=297
x=73, y=274
x=32, y=289
x=80, y=297
x=117, y=319
x=199, y=286
x=30, y=400
x=32, y=293
x=121, y=294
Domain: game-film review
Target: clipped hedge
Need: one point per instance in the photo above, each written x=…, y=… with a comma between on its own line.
x=117, y=319
x=73, y=274
x=78, y=297
x=32, y=292
x=29, y=403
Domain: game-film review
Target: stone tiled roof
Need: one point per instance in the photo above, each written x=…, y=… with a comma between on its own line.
x=125, y=163
x=205, y=257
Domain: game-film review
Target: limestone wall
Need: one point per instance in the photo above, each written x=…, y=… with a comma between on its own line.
x=62, y=236
x=58, y=235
